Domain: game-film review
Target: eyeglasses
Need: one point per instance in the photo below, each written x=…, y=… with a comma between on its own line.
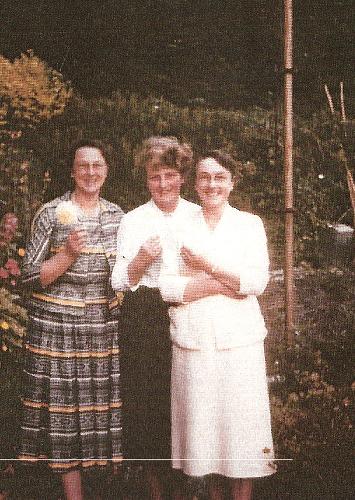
x=217, y=179
x=87, y=167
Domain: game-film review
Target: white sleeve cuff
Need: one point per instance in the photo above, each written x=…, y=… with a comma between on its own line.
x=253, y=281
x=119, y=279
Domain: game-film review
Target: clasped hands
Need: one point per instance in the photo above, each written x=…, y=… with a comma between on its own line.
x=151, y=249
x=199, y=263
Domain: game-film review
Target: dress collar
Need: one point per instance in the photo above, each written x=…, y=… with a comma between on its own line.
x=157, y=210
x=105, y=206
x=227, y=210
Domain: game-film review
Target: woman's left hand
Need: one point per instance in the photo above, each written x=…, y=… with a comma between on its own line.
x=195, y=261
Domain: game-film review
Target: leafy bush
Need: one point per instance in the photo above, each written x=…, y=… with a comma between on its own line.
x=42, y=128
x=255, y=136
x=312, y=405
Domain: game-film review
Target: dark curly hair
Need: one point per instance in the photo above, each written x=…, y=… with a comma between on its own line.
x=105, y=149
x=224, y=159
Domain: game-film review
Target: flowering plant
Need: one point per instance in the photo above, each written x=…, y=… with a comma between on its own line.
x=12, y=315
x=9, y=254
x=67, y=213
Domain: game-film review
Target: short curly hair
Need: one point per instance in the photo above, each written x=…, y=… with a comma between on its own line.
x=165, y=151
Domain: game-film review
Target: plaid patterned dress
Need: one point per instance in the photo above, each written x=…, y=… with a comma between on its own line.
x=71, y=397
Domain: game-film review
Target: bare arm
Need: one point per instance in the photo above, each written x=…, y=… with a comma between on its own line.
x=148, y=252
x=57, y=265
x=202, y=285
x=198, y=262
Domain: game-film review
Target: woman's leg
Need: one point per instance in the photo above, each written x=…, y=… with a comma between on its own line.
x=241, y=489
x=72, y=485
x=154, y=483
x=216, y=488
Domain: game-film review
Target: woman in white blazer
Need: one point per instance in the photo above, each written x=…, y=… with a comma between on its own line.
x=220, y=403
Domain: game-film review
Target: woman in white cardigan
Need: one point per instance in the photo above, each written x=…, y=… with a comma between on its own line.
x=220, y=403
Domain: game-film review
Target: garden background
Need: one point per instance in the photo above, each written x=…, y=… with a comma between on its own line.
x=209, y=74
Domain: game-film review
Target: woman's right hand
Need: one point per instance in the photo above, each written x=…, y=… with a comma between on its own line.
x=148, y=252
x=76, y=242
x=151, y=249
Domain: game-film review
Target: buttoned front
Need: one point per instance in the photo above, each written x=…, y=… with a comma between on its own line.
x=139, y=225
x=238, y=245
x=81, y=284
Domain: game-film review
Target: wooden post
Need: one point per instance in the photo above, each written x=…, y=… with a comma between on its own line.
x=288, y=166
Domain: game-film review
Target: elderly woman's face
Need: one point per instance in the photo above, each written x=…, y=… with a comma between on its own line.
x=213, y=184
x=89, y=170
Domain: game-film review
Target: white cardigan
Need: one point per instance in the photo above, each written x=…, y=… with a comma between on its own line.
x=238, y=244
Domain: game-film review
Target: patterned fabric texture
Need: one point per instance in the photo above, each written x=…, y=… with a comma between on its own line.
x=92, y=269
x=71, y=396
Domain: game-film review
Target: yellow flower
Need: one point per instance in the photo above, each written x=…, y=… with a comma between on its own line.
x=67, y=213
x=21, y=252
x=293, y=397
x=4, y=347
x=315, y=377
x=4, y=325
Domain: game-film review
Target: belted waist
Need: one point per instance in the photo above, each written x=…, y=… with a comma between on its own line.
x=78, y=303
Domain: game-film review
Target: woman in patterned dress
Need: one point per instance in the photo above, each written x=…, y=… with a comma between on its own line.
x=71, y=399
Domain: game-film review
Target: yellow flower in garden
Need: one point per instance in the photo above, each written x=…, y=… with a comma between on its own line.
x=4, y=347
x=67, y=213
x=4, y=325
x=21, y=252
x=293, y=397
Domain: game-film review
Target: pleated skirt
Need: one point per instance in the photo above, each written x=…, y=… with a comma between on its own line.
x=71, y=393
x=220, y=412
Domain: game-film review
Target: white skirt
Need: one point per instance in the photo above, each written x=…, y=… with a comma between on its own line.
x=221, y=412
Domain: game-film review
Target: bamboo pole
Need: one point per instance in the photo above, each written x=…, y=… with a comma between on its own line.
x=342, y=104
x=288, y=176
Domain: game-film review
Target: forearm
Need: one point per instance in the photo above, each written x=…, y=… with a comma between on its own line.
x=54, y=267
x=231, y=280
x=137, y=267
x=203, y=285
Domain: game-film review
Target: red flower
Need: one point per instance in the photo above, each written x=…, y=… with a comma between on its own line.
x=12, y=266
x=3, y=273
x=10, y=221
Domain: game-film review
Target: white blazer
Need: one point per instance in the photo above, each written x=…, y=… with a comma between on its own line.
x=237, y=244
